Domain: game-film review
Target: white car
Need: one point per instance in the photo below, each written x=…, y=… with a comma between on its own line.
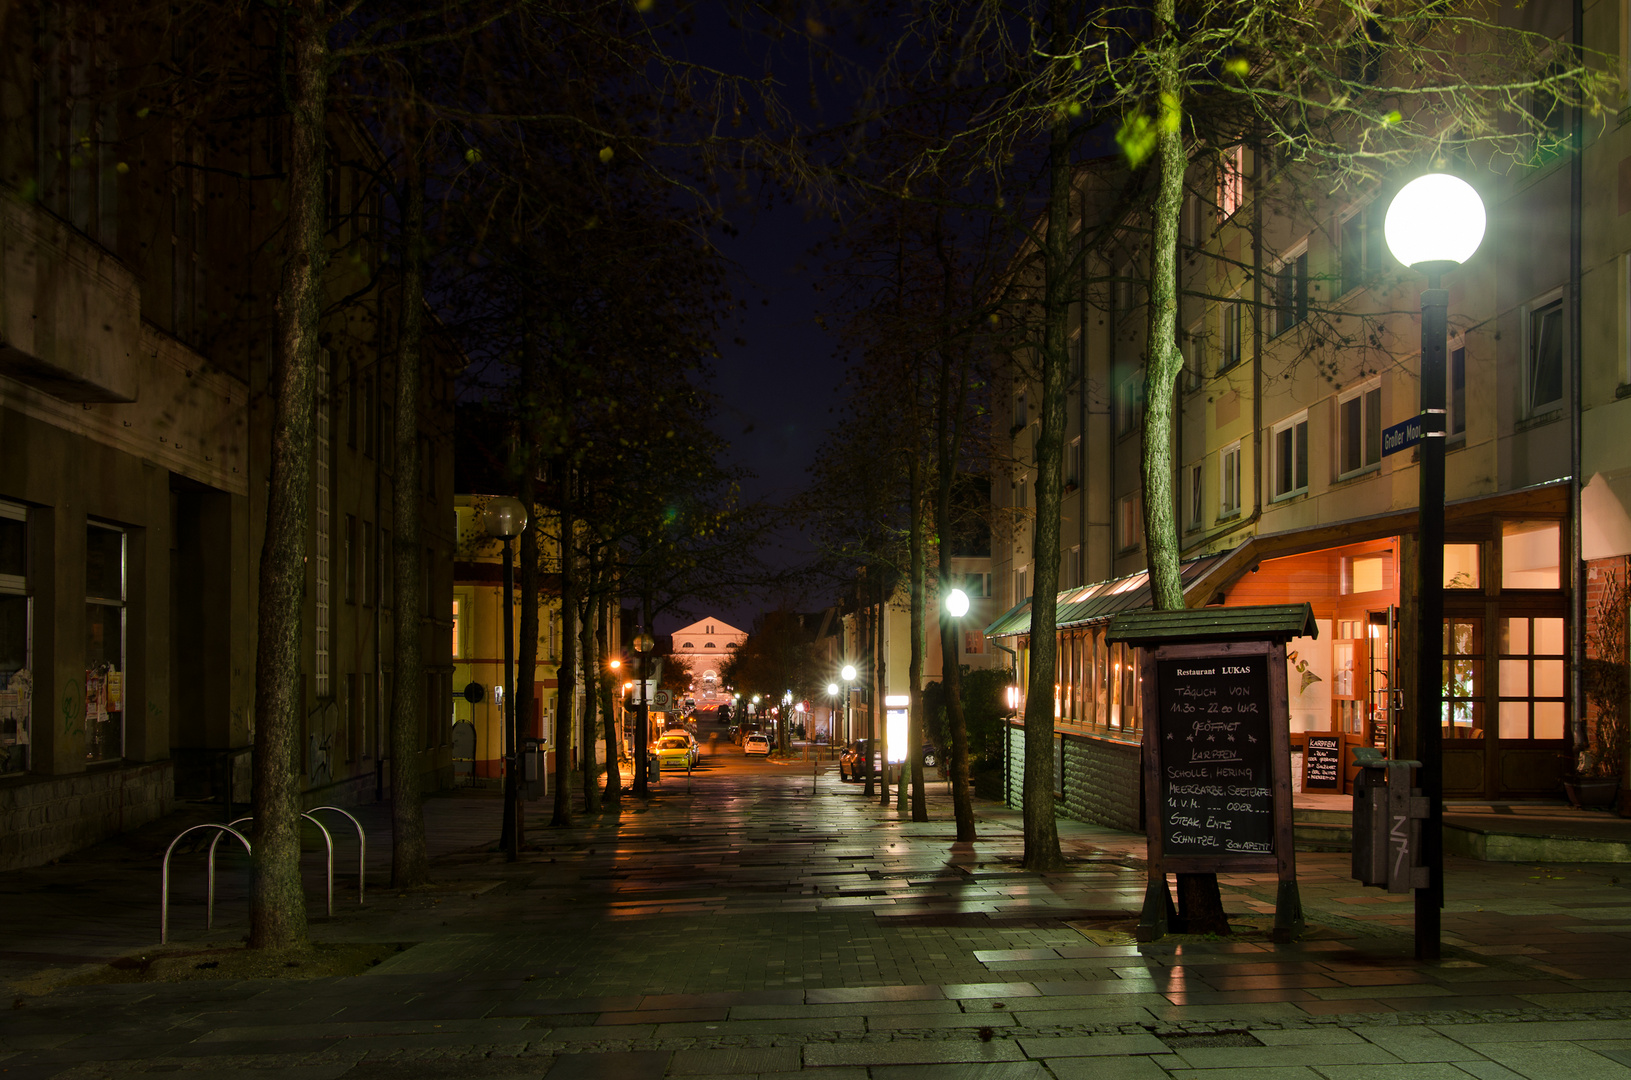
x=756, y=743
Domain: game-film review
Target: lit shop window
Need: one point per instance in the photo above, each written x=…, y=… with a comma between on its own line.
x=105, y=553
x=16, y=640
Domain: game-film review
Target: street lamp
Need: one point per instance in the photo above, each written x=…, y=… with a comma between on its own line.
x=643, y=644
x=1434, y=224
x=504, y=518
x=847, y=673
x=957, y=603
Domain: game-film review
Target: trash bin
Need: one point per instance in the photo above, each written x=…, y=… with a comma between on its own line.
x=654, y=769
x=529, y=760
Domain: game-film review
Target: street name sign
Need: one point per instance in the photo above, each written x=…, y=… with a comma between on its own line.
x=1401, y=436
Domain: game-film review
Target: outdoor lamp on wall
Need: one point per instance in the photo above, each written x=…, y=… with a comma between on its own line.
x=1434, y=224
x=504, y=518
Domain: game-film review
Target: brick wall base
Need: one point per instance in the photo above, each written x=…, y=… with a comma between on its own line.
x=1102, y=783
x=45, y=818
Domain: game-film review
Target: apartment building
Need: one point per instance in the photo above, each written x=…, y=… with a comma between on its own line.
x=1301, y=345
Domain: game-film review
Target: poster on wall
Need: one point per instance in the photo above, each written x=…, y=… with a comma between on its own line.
x=1308, y=679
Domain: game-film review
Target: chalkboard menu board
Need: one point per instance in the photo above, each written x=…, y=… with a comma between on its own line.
x=1322, y=763
x=1217, y=776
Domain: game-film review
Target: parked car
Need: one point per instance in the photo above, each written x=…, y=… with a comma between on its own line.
x=852, y=760
x=755, y=743
x=677, y=749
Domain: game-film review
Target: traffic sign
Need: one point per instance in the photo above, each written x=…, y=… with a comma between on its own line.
x=660, y=699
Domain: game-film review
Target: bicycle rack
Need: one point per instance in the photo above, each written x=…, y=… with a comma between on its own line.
x=362, y=844
x=164, y=887
x=328, y=841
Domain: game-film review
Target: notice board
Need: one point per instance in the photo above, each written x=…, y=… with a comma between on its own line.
x=1322, y=763
x=1217, y=769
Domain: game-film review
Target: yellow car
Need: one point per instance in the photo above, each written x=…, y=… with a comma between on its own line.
x=677, y=750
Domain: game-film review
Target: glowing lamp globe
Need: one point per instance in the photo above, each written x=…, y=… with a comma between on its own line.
x=1435, y=222
x=832, y=689
x=848, y=673
x=957, y=603
x=504, y=517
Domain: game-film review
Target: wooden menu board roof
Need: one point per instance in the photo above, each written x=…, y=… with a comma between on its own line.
x=1265, y=622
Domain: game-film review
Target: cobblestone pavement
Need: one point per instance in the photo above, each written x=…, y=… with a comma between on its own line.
x=754, y=928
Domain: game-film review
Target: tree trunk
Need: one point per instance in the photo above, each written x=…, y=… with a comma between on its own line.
x=591, y=681
x=1200, y=906
x=277, y=904
x=603, y=684
x=914, y=720
x=1041, y=830
x=566, y=678
x=410, y=862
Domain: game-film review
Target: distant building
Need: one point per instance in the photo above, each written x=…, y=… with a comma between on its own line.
x=706, y=644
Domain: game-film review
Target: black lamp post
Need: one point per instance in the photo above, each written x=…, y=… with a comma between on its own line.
x=504, y=518
x=1434, y=224
x=643, y=644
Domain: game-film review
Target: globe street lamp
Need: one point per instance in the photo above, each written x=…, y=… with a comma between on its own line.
x=643, y=644
x=504, y=518
x=1434, y=224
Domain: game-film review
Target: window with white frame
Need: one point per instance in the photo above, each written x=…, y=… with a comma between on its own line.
x=1191, y=344
x=1230, y=314
x=1022, y=492
x=1078, y=355
x=1289, y=283
x=1288, y=446
x=16, y=641
x=1129, y=522
x=1229, y=480
x=1194, y=221
x=1543, y=357
x=1129, y=403
x=1361, y=242
x=1021, y=416
x=1231, y=181
x=1359, y=436
x=1073, y=463
x=1194, y=497
x=1020, y=592
x=1073, y=562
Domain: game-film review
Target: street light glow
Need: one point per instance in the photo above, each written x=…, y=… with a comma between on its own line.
x=848, y=673
x=957, y=603
x=832, y=689
x=1436, y=218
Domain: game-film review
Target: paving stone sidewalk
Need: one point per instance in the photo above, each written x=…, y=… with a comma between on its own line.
x=752, y=927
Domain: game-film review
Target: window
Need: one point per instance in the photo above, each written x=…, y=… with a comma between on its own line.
x=1456, y=393
x=1290, y=449
x=1195, y=493
x=1020, y=592
x=351, y=554
x=461, y=625
x=1231, y=181
x=1078, y=355
x=1129, y=522
x=1021, y=417
x=1367, y=573
x=1545, y=357
x=1362, y=55
x=1130, y=403
x=1071, y=574
x=708, y=645
x=1020, y=493
x=387, y=574
x=1229, y=313
x=104, y=642
x=1530, y=679
x=16, y=640
x=1073, y=463
x=1463, y=679
x=1530, y=554
x=1290, y=293
x=1229, y=481
x=1126, y=290
x=690, y=645
x=370, y=566
x=1360, y=415
x=1362, y=257
x=1191, y=345
x=1461, y=566
x=323, y=538
x=1194, y=221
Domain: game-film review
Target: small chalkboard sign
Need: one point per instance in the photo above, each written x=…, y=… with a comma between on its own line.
x=1322, y=763
x=1217, y=775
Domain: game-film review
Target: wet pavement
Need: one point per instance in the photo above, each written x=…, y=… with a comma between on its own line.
x=761, y=925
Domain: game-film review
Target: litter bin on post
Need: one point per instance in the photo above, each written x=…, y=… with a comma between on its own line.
x=654, y=768
x=531, y=773
x=1387, y=821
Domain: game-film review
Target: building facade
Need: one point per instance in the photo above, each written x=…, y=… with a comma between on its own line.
x=1301, y=345
x=135, y=428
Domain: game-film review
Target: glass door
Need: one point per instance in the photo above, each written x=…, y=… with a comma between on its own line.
x=1383, y=641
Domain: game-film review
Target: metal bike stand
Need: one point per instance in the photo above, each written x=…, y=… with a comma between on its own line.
x=328, y=841
x=362, y=843
x=164, y=885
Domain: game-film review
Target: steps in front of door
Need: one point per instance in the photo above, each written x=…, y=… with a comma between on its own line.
x=1508, y=833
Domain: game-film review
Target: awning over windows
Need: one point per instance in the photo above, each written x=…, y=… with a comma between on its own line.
x=1096, y=603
